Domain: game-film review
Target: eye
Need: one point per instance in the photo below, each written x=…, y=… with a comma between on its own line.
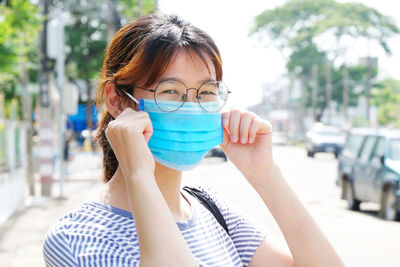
x=207, y=93
x=209, y=89
x=169, y=91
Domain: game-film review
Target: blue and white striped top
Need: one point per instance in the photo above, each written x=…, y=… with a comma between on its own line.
x=100, y=235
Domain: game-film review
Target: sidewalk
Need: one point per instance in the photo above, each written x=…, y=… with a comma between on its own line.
x=21, y=237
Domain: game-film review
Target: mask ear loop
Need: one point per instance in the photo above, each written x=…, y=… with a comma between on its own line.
x=131, y=97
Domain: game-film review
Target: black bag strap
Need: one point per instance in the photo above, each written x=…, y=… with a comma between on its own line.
x=207, y=202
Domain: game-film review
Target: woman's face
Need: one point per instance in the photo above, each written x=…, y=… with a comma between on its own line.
x=186, y=67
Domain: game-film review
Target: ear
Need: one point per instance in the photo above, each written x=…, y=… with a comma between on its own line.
x=113, y=100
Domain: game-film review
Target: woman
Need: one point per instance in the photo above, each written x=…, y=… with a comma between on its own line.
x=161, y=86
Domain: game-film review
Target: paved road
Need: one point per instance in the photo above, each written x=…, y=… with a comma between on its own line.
x=361, y=238
x=21, y=237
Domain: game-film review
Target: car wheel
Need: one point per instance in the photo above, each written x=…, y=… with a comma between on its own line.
x=352, y=203
x=388, y=206
x=310, y=154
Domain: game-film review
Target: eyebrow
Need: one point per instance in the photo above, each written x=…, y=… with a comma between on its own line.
x=169, y=78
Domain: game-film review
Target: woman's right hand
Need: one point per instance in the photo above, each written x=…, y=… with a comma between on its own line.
x=128, y=136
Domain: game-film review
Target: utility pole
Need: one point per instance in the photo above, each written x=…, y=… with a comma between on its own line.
x=45, y=132
x=300, y=108
x=314, y=94
x=156, y=6
x=113, y=20
x=26, y=119
x=345, y=93
x=140, y=8
x=368, y=86
x=328, y=91
x=60, y=84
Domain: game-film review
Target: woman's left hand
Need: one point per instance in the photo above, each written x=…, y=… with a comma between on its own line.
x=247, y=142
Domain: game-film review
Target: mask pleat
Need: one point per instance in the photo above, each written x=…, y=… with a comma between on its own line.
x=184, y=146
x=185, y=122
x=182, y=138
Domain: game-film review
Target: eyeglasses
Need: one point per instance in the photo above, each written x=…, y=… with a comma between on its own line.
x=211, y=95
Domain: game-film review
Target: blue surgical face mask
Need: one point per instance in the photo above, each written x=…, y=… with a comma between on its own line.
x=181, y=138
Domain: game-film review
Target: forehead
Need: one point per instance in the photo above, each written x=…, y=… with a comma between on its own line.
x=187, y=66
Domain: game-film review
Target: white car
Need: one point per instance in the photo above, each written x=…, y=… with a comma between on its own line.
x=325, y=138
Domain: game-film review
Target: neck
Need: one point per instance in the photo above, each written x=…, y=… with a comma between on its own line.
x=169, y=184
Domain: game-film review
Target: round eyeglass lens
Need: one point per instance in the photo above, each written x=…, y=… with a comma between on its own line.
x=170, y=95
x=212, y=96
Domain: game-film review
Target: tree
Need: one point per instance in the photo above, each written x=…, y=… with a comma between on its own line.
x=386, y=96
x=86, y=36
x=19, y=24
x=300, y=28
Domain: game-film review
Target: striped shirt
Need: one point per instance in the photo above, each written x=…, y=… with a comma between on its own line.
x=96, y=234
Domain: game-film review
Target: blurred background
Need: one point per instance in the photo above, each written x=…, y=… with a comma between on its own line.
x=325, y=73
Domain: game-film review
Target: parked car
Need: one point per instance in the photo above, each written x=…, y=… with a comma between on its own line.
x=369, y=170
x=325, y=138
x=217, y=152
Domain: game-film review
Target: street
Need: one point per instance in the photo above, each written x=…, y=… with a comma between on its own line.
x=324, y=74
x=360, y=238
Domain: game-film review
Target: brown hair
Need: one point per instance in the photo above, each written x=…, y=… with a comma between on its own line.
x=140, y=52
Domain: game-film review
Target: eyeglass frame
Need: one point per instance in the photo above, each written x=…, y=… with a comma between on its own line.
x=187, y=91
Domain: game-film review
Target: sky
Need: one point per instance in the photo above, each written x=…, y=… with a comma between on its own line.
x=247, y=63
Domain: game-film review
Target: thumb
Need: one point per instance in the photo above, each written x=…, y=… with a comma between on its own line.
x=225, y=139
x=147, y=126
x=147, y=134
x=148, y=130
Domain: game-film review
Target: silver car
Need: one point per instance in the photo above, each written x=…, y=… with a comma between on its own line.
x=325, y=138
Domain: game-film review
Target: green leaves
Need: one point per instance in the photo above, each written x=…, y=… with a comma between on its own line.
x=19, y=24
x=85, y=36
x=298, y=20
x=386, y=95
x=301, y=28
x=86, y=33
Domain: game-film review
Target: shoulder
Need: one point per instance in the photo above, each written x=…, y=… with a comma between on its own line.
x=56, y=246
x=244, y=231
x=79, y=215
x=91, y=233
x=89, y=216
x=60, y=229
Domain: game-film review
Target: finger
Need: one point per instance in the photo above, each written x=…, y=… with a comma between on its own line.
x=265, y=127
x=109, y=129
x=148, y=126
x=245, y=123
x=234, y=125
x=106, y=132
x=141, y=121
x=126, y=111
x=255, y=124
x=259, y=126
x=225, y=118
x=225, y=138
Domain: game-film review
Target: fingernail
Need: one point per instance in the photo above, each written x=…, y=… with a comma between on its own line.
x=243, y=140
x=234, y=139
x=251, y=140
x=225, y=122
